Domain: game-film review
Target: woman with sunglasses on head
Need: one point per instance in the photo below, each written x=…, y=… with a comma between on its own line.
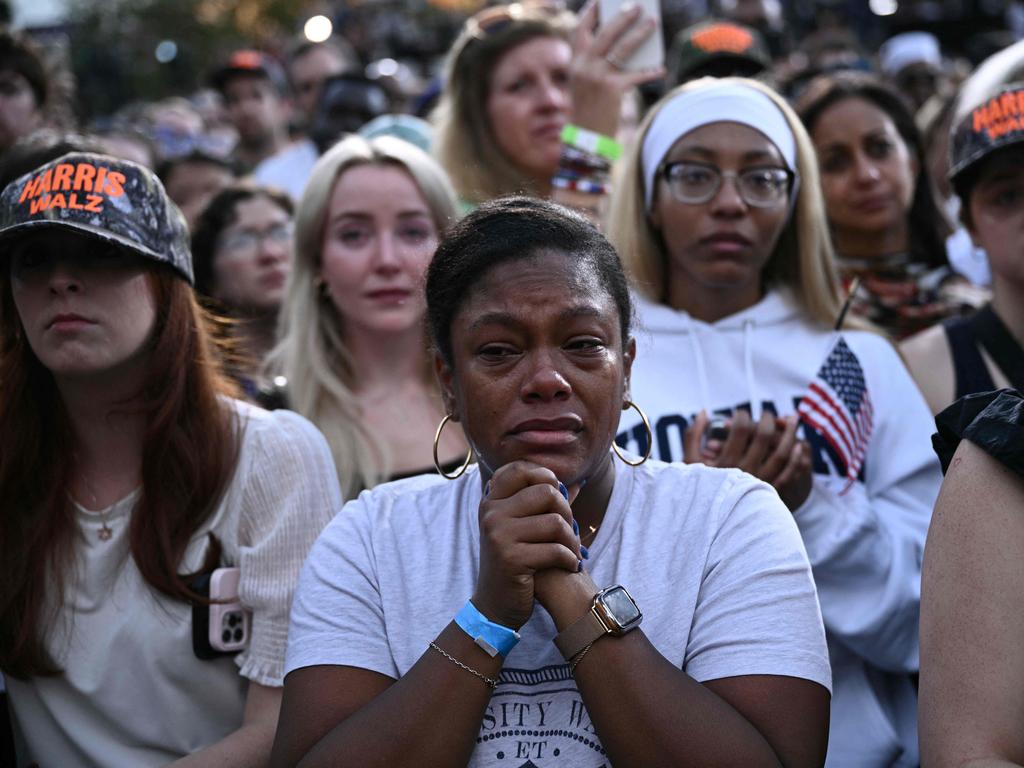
x=516, y=76
x=709, y=648
x=129, y=477
x=351, y=339
x=242, y=252
x=883, y=211
x=719, y=210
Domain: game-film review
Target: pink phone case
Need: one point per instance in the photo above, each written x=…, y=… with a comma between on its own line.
x=230, y=624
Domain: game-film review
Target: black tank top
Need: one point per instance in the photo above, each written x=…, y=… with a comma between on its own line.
x=969, y=367
x=966, y=338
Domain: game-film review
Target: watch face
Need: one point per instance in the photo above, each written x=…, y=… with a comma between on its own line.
x=621, y=606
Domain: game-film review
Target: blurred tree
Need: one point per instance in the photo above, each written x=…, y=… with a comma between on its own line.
x=114, y=44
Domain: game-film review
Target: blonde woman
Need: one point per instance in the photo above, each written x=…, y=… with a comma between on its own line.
x=719, y=215
x=351, y=337
x=516, y=75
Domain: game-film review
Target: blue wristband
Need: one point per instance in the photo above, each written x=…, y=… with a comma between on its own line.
x=492, y=638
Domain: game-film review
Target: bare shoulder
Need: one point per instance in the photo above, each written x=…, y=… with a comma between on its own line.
x=925, y=347
x=981, y=489
x=930, y=362
x=972, y=615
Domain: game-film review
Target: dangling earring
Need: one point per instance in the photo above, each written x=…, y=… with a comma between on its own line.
x=437, y=464
x=650, y=439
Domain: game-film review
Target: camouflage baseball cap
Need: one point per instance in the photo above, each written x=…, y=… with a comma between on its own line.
x=113, y=200
x=992, y=125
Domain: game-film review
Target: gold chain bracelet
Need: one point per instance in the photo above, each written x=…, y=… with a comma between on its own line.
x=578, y=658
x=489, y=680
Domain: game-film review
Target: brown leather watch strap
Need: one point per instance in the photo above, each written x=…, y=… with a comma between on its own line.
x=578, y=635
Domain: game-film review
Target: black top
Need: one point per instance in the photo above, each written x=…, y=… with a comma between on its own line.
x=969, y=369
x=994, y=421
x=967, y=336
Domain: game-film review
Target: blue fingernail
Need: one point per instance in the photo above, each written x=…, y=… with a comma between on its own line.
x=487, y=489
x=585, y=552
x=575, y=527
x=563, y=490
x=580, y=569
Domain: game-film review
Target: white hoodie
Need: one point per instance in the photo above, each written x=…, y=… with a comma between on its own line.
x=865, y=544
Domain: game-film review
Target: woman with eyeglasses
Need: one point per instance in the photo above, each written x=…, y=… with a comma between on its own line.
x=719, y=212
x=242, y=250
x=482, y=622
x=888, y=227
x=516, y=76
x=351, y=344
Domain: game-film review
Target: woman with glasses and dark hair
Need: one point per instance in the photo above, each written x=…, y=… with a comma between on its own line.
x=561, y=602
x=242, y=250
x=516, y=76
x=887, y=224
x=719, y=212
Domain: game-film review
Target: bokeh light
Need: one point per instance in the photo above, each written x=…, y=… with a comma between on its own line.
x=166, y=51
x=318, y=29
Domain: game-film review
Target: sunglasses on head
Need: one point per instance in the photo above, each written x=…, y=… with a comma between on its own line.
x=492, y=20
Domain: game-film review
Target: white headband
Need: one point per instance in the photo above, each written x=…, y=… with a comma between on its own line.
x=720, y=103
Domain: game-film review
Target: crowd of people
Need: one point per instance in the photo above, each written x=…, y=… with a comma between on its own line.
x=563, y=412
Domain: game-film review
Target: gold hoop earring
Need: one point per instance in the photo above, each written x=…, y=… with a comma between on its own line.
x=650, y=439
x=437, y=464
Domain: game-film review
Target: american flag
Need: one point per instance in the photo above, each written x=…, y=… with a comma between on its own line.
x=838, y=406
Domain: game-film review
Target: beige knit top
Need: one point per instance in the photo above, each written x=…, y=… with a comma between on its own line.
x=132, y=691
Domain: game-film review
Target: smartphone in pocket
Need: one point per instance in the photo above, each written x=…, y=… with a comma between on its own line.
x=651, y=53
x=222, y=627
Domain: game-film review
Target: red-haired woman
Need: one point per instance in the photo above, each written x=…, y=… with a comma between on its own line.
x=127, y=472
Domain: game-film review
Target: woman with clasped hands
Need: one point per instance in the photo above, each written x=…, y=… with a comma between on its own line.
x=687, y=633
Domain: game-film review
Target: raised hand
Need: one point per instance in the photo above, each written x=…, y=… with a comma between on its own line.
x=597, y=80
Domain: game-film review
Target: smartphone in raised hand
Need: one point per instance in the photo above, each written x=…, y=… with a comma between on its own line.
x=651, y=53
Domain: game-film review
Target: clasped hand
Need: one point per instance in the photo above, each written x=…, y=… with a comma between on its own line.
x=527, y=541
x=768, y=450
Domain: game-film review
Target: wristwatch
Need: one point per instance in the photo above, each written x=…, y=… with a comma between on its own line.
x=613, y=612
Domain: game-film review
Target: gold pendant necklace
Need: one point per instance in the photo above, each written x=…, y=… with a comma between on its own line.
x=105, y=532
x=585, y=539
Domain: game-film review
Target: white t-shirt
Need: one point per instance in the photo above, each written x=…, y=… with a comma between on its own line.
x=132, y=692
x=712, y=557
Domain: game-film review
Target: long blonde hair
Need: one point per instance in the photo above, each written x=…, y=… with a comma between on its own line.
x=311, y=351
x=803, y=259
x=464, y=141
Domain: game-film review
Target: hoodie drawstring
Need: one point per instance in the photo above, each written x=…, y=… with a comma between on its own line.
x=748, y=364
x=702, y=377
